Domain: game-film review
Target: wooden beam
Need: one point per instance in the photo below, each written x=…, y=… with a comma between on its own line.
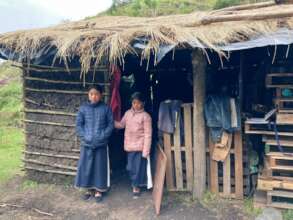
x=49, y=112
x=47, y=123
x=51, y=155
x=62, y=81
x=50, y=171
x=246, y=17
x=199, y=128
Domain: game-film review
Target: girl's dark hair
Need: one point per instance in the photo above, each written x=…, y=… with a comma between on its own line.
x=138, y=96
x=96, y=87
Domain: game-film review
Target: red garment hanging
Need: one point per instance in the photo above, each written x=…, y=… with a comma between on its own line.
x=115, y=102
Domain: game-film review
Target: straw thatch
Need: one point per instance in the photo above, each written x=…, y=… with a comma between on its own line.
x=112, y=37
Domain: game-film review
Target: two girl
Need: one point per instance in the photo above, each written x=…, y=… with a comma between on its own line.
x=94, y=126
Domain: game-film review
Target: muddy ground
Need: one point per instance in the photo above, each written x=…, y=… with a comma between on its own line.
x=21, y=199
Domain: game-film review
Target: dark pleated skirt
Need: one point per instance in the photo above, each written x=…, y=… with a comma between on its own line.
x=137, y=169
x=93, y=169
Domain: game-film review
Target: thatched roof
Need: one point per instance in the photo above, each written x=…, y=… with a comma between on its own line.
x=113, y=37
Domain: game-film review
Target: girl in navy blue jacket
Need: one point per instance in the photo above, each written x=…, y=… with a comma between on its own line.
x=94, y=126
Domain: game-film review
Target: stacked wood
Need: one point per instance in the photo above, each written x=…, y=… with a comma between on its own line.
x=277, y=178
x=51, y=100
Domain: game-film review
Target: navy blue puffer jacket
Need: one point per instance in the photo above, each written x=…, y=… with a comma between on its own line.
x=94, y=124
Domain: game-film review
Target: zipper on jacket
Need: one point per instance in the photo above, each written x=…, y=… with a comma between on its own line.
x=93, y=125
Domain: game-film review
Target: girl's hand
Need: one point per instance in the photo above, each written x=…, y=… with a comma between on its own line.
x=145, y=154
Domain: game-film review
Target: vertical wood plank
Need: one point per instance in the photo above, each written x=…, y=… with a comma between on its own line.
x=278, y=96
x=227, y=176
x=214, y=183
x=188, y=145
x=199, y=128
x=238, y=148
x=169, y=168
x=177, y=156
x=227, y=170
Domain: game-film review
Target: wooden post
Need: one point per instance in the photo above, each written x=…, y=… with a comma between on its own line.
x=199, y=128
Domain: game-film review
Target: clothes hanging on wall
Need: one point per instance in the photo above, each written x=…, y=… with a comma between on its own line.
x=169, y=113
x=115, y=102
x=222, y=113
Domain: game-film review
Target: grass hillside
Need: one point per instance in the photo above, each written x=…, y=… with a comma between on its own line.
x=166, y=7
x=11, y=134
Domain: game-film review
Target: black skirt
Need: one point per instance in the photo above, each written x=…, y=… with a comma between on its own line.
x=138, y=168
x=93, y=169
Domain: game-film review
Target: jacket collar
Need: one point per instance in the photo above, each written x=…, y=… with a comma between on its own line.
x=136, y=112
x=94, y=104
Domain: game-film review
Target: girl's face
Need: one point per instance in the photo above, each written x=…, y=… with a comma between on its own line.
x=137, y=105
x=94, y=96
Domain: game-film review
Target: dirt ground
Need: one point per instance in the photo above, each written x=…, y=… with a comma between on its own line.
x=22, y=201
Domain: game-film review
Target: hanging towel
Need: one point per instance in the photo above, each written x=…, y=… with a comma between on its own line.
x=115, y=102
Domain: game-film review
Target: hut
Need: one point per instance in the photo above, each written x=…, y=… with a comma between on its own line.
x=182, y=57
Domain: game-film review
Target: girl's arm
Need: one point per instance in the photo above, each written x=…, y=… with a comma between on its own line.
x=147, y=135
x=121, y=124
x=80, y=124
x=110, y=125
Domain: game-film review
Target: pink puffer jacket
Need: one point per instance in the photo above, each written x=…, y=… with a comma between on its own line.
x=138, y=131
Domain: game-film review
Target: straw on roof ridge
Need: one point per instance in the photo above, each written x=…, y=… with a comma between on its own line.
x=112, y=37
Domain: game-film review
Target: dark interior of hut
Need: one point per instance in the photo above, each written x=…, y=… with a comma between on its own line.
x=242, y=75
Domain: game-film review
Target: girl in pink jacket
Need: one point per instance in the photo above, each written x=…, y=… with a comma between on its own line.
x=137, y=143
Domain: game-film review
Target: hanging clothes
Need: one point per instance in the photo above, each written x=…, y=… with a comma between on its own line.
x=169, y=112
x=115, y=102
x=222, y=113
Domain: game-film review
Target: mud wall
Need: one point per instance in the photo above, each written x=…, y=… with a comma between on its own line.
x=51, y=100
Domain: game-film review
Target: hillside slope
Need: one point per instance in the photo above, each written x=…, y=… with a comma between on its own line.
x=153, y=8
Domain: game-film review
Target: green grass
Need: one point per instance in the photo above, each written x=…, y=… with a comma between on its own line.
x=288, y=214
x=250, y=209
x=209, y=198
x=151, y=8
x=11, y=134
x=29, y=184
x=11, y=142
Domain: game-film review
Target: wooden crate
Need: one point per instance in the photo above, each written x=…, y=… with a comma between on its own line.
x=285, y=142
x=222, y=179
x=279, y=192
x=279, y=80
x=284, y=104
x=280, y=199
x=179, y=172
x=284, y=118
x=269, y=183
x=283, y=130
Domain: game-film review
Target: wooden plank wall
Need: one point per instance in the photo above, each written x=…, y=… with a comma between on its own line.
x=225, y=179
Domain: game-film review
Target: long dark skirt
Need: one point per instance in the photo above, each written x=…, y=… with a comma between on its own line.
x=93, y=169
x=138, y=168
